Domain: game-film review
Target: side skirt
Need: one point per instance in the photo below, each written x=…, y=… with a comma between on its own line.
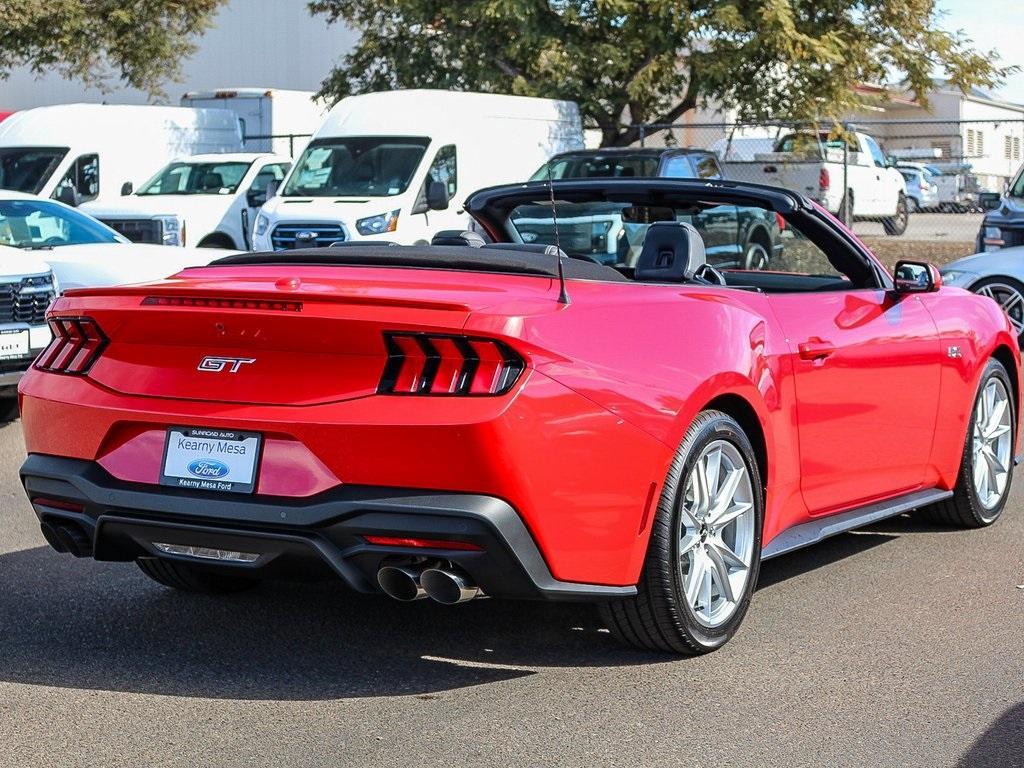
x=813, y=531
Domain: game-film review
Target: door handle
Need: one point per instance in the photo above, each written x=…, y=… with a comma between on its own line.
x=815, y=349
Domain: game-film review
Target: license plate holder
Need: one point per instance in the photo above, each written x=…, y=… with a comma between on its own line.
x=203, y=459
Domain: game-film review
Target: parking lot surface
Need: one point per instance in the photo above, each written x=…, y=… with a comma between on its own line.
x=897, y=646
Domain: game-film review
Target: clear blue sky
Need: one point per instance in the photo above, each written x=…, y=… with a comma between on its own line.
x=997, y=24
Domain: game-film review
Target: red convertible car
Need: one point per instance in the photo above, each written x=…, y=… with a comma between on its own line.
x=484, y=416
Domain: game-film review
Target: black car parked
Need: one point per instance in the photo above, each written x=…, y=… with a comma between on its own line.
x=735, y=236
x=1003, y=225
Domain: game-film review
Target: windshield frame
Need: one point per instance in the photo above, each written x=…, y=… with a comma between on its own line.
x=100, y=233
x=290, y=188
x=60, y=154
x=1015, y=188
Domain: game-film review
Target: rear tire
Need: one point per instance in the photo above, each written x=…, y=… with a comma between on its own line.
x=194, y=578
x=686, y=546
x=967, y=508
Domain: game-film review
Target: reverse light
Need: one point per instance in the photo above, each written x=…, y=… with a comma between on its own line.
x=415, y=543
x=77, y=343
x=435, y=364
x=375, y=225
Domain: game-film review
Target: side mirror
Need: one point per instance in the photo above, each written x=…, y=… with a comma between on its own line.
x=916, y=277
x=127, y=188
x=272, y=187
x=988, y=201
x=437, y=196
x=255, y=198
x=68, y=195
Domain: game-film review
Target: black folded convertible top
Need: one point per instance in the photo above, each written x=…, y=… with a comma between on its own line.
x=462, y=258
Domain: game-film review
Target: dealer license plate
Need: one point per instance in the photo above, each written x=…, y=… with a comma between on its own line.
x=211, y=459
x=13, y=344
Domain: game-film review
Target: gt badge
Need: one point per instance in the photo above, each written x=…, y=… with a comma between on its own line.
x=218, y=364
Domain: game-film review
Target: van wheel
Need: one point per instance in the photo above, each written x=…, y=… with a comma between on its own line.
x=897, y=225
x=189, y=577
x=217, y=241
x=704, y=553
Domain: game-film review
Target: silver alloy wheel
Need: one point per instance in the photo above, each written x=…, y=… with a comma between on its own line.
x=716, y=533
x=1010, y=299
x=756, y=256
x=992, y=443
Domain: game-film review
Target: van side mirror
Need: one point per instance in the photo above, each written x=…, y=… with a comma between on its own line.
x=68, y=195
x=256, y=197
x=272, y=187
x=916, y=277
x=127, y=188
x=988, y=201
x=437, y=196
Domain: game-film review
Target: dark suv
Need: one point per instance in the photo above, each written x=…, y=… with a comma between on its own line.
x=735, y=236
x=1003, y=225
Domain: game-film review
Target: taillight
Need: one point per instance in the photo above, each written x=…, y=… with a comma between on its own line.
x=781, y=221
x=416, y=543
x=824, y=182
x=435, y=364
x=77, y=342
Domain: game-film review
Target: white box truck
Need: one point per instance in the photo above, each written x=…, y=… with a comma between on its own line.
x=396, y=165
x=290, y=116
x=78, y=153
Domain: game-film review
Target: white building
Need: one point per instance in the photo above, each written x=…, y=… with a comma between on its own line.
x=260, y=43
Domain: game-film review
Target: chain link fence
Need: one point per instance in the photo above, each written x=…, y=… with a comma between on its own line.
x=910, y=188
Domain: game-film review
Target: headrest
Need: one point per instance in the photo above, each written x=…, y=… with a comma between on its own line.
x=457, y=237
x=212, y=180
x=672, y=252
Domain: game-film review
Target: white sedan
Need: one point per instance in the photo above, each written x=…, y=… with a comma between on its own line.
x=81, y=251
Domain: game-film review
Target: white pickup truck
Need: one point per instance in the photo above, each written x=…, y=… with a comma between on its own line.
x=813, y=164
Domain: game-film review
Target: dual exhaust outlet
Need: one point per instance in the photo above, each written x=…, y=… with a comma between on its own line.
x=414, y=582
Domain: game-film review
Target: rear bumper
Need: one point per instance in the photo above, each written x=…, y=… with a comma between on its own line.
x=322, y=533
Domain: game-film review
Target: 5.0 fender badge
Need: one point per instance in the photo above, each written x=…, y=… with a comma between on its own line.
x=954, y=352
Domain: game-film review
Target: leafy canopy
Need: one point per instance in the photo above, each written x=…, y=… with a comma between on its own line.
x=643, y=61
x=140, y=42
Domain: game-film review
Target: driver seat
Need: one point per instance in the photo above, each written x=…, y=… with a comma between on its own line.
x=671, y=253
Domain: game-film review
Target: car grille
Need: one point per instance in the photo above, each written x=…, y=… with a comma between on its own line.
x=576, y=237
x=138, y=230
x=26, y=300
x=284, y=236
x=1012, y=237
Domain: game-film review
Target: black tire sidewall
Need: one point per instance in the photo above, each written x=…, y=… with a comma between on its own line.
x=994, y=369
x=718, y=427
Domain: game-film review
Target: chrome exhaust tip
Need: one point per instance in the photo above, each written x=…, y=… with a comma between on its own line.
x=401, y=582
x=448, y=587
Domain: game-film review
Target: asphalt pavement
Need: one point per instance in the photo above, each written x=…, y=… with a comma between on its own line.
x=897, y=646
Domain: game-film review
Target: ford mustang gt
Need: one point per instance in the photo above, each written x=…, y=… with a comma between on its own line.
x=488, y=416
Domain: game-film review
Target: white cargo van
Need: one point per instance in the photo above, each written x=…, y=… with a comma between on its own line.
x=290, y=116
x=77, y=153
x=396, y=166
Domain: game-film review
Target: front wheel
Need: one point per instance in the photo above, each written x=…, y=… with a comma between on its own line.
x=1008, y=294
x=755, y=257
x=704, y=553
x=986, y=469
x=897, y=225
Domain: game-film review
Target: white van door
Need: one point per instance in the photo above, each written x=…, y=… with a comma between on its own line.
x=425, y=222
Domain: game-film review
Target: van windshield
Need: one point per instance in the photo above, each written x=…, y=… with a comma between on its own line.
x=197, y=179
x=374, y=166
x=27, y=169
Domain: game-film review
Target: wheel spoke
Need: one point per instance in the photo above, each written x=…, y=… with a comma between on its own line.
x=712, y=472
x=695, y=577
x=701, y=496
x=687, y=542
x=730, y=514
x=721, y=572
x=1011, y=300
x=726, y=553
x=705, y=592
x=726, y=494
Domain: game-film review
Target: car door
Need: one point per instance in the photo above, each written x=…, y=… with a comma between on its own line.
x=866, y=365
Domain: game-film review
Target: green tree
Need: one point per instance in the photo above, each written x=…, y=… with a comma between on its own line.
x=140, y=42
x=631, y=61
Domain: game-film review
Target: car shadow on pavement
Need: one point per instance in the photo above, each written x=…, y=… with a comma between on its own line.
x=81, y=624
x=1001, y=745
x=820, y=555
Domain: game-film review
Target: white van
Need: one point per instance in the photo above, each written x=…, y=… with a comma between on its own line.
x=395, y=166
x=78, y=153
x=273, y=119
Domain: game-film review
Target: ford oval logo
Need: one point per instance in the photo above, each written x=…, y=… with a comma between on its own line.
x=210, y=469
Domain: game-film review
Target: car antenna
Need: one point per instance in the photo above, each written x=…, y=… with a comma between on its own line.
x=563, y=294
